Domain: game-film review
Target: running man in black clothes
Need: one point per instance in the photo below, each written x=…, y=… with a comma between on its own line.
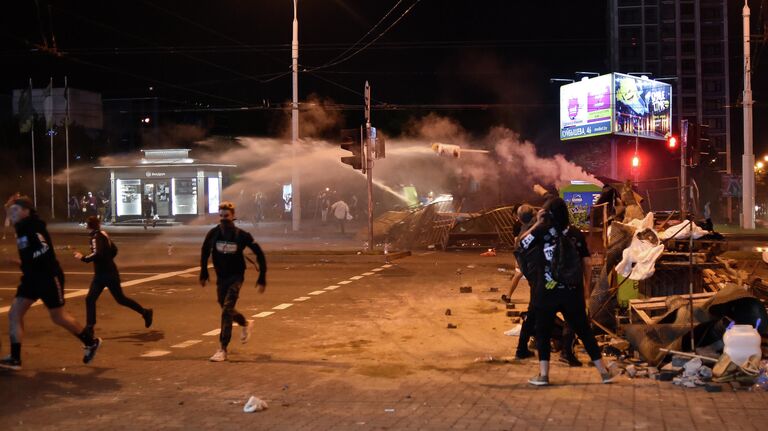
x=226, y=243
x=42, y=278
x=105, y=274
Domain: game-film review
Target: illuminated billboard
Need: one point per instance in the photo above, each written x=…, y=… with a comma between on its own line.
x=616, y=103
x=642, y=107
x=586, y=108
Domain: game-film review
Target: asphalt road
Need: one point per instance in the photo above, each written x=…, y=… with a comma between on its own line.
x=342, y=341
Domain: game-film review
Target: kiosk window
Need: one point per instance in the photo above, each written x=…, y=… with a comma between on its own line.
x=213, y=195
x=184, y=193
x=128, y=197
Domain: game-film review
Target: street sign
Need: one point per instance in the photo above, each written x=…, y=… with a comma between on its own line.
x=731, y=186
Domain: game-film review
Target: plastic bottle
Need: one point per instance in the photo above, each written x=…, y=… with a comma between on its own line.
x=741, y=342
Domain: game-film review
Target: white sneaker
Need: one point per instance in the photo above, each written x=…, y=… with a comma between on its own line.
x=219, y=356
x=246, y=331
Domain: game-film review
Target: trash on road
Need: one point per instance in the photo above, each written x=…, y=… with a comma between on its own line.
x=447, y=311
x=514, y=332
x=452, y=326
x=490, y=253
x=255, y=404
x=465, y=289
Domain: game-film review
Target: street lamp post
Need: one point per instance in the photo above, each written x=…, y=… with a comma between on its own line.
x=295, y=178
x=748, y=159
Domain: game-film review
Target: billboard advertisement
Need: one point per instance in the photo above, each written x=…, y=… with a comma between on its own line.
x=586, y=108
x=642, y=107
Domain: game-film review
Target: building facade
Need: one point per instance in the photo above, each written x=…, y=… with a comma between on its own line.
x=686, y=42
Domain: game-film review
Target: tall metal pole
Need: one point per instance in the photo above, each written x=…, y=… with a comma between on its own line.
x=50, y=133
x=295, y=181
x=66, y=142
x=683, y=168
x=34, y=169
x=369, y=162
x=748, y=159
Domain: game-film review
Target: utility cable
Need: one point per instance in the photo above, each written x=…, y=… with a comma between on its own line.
x=342, y=60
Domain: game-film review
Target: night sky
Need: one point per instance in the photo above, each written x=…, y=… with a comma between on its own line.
x=214, y=56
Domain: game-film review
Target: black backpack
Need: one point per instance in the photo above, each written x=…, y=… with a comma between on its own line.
x=566, y=263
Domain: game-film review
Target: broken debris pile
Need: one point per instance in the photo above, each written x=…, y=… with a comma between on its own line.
x=652, y=334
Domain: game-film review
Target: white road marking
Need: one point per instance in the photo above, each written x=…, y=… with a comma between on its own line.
x=186, y=344
x=215, y=332
x=377, y=269
x=331, y=287
x=87, y=273
x=344, y=282
x=187, y=275
x=264, y=314
x=386, y=266
x=15, y=288
x=368, y=273
x=302, y=298
x=316, y=292
x=155, y=353
x=427, y=253
x=282, y=306
x=83, y=292
x=357, y=277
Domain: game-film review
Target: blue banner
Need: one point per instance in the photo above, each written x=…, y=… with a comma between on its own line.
x=601, y=128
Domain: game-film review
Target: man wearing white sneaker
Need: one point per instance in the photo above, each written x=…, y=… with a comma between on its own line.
x=225, y=243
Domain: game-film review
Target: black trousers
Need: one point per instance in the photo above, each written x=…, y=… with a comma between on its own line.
x=111, y=282
x=570, y=302
x=227, y=292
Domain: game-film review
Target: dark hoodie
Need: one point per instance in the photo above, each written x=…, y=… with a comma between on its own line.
x=103, y=252
x=226, y=245
x=38, y=260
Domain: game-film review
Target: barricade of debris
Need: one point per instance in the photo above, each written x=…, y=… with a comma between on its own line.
x=692, y=308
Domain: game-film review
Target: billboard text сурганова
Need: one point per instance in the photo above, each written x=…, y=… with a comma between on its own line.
x=585, y=108
x=642, y=107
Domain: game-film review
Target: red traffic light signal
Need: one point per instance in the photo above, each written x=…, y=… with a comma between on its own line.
x=635, y=161
x=672, y=142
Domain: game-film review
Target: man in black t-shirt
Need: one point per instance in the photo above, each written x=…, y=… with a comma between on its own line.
x=105, y=274
x=547, y=238
x=43, y=279
x=225, y=243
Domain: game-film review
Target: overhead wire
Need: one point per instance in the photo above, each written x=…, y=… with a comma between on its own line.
x=130, y=74
x=206, y=28
x=351, y=47
x=257, y=78
x=342, y=60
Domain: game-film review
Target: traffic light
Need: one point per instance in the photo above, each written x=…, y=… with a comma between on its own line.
x=635, y=161
x=352, y=142
x=672, y=142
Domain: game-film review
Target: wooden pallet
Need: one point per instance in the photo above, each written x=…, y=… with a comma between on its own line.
x=643, y=308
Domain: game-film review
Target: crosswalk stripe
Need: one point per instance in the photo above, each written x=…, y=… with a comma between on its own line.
x=155, y=353
x=186, y=344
